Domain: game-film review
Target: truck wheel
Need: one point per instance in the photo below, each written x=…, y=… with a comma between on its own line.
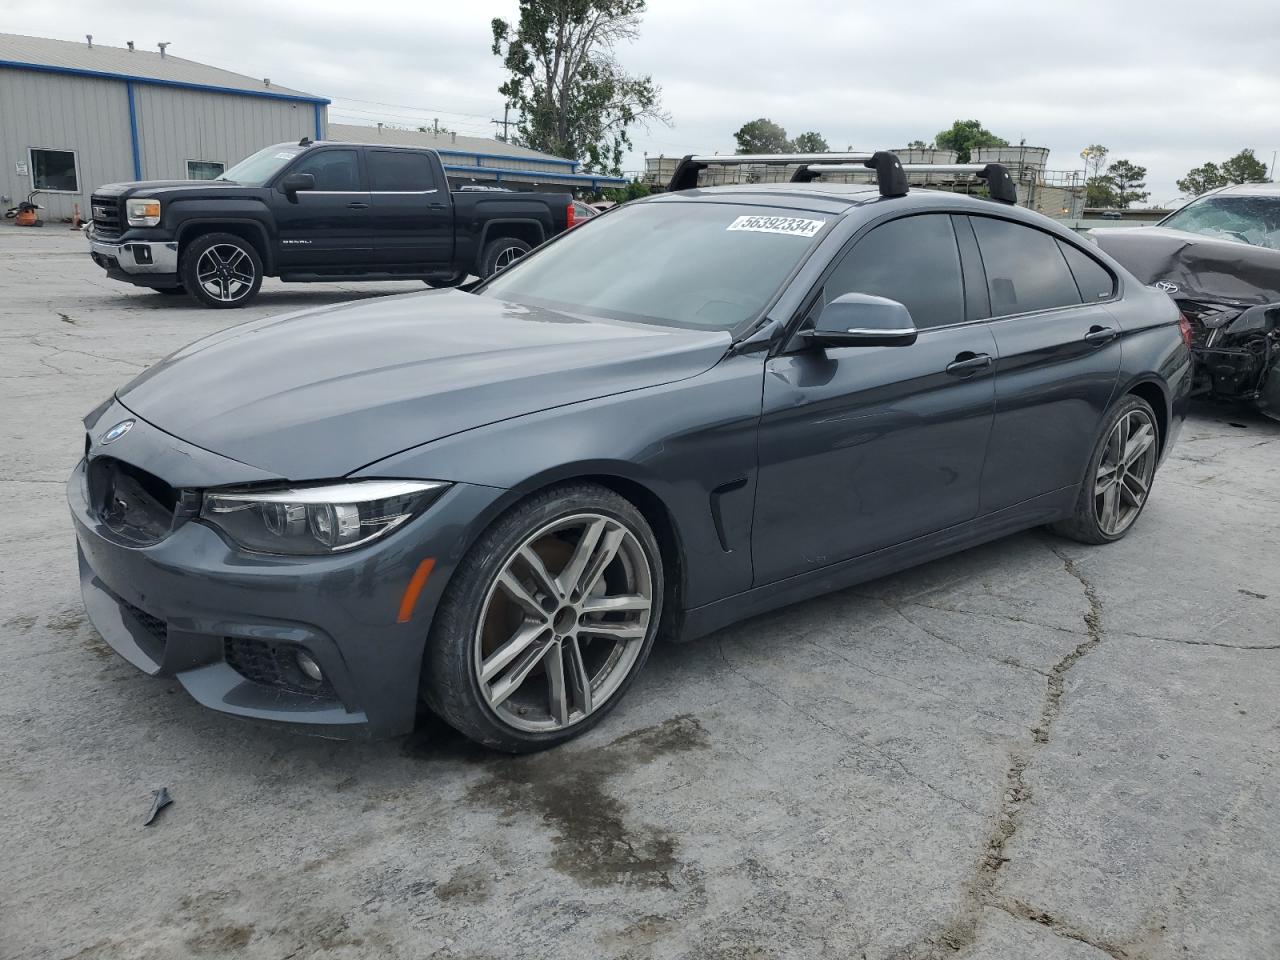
x=500, y=254
x=221, y=270
x=447, y=282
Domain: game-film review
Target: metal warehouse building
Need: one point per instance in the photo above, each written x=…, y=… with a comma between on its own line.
x=74, y=116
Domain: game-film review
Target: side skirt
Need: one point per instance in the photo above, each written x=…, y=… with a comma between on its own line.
x=1046, y=508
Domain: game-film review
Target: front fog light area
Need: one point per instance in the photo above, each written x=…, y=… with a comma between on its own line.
x=313, y=521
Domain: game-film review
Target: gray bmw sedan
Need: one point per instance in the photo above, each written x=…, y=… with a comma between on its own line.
x=692, y=409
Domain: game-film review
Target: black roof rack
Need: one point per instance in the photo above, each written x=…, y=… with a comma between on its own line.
x=891, y=173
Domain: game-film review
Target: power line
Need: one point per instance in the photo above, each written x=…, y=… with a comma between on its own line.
x=410, y=106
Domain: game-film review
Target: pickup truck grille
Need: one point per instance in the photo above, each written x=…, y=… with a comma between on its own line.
x=107, y=221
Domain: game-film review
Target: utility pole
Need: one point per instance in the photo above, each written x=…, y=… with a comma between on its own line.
x=504, y=122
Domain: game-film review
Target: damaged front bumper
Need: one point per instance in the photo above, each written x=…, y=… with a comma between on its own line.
x=1237, y=351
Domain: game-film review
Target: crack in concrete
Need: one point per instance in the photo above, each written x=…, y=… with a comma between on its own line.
x=1200, y=643
x=856, y=742
x=941, y=638
x=962, y=932
x=1021, y=911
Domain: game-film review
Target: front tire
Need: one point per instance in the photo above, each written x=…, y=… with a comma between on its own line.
x=500, y=254
x=221, y=270
x=547, y=620
x=1119, y=477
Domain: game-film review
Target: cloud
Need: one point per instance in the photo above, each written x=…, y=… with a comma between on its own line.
x=1168, y=84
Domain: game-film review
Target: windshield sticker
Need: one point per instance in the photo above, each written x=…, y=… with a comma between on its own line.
x=791, y=226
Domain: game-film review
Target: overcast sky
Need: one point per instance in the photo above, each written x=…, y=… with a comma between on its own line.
x=1167, y=84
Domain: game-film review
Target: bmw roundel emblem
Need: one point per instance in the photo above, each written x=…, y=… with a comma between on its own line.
x=116, y=432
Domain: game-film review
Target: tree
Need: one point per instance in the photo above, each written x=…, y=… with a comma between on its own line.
x=634, y=190
x=1244, y=167
x=919, y=145
x=810, y=142
x=762, y=136
x=965, y=136
x=1095, y=160
x=1127, y=180
x=575, y=99
x=1202, y=179
x=1100, y=191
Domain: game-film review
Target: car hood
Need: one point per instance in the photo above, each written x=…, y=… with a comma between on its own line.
x=321, y=393
x=163, y=188
x=1194, y=266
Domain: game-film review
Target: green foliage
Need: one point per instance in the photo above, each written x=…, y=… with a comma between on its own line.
x=965, y=136
x=634, y=190
x=1128, y=180
x=762, y=136
x=1100, y=191
x=575, y=99
x=919, y=145
x=809, y=142
x=1244, y=167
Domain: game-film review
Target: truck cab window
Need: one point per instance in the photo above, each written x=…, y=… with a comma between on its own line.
x=392, y=171
x=334, y=170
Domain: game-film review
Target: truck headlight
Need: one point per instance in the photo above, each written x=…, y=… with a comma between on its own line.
x=315, y=521
x=143, y=213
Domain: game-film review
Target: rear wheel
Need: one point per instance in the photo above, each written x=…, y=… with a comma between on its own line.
x=446, y=282
x=1119, y=477
x=547, y=620
x=500, y=254
x=221, y=270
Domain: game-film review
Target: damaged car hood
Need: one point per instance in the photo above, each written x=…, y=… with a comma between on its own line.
x=321, y=393
x=1194, y=266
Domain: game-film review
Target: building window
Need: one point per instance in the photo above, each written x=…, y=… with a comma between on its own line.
x=54, y=171
x=205, y=169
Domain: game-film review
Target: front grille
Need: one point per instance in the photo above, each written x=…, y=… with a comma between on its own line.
x=153, y=625
x=107, y=221
x=135, y=505
x=273, y=665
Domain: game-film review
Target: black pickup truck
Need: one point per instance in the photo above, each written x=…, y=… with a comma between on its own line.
x=312, y=211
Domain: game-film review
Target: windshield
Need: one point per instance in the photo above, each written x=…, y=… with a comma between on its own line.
x=1254, y=220
x=256, y=170
x=702, y=265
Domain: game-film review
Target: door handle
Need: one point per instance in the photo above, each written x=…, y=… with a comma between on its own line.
x=357, y=205
x=967, y=364
x=1099, y=335
x=437, y=206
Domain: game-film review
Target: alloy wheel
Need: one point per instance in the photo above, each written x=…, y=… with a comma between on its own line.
x=1124, y=473
x=563, y=623
x=506, y=257
x=226, y=272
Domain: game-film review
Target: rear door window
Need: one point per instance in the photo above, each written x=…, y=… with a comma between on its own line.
x=396, y=171
x=1026, y=270
x=1092, y=278
x=915, y=261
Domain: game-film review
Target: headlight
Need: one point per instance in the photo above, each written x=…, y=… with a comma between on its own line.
x=314, y=521
x=143, y=213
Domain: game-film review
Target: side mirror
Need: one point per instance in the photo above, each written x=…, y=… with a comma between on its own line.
x=297, y=181
x=861, y=320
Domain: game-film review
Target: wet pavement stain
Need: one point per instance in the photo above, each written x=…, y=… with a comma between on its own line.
x=594, y=844
x=21, y=622
x=470, y=883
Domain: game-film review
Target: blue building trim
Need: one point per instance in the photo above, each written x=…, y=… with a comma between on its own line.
x=133, y=133
x=506, y=158
x=595, y=180
x=319, y=122
x=153, y=82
